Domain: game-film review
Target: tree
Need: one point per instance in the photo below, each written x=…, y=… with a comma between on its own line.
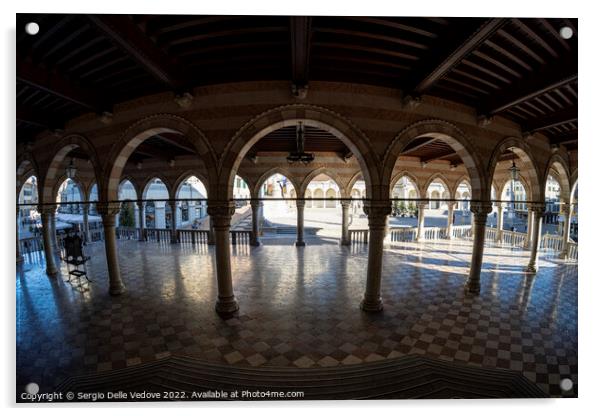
x=126, y=215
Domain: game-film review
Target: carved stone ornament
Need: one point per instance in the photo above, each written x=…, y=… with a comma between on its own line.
x=108, y=209
x=377, y=212
x=221, y=210
x=47, y=209
x=480, y=210
x=537, y=208
x=300, y=203
x=299, y=91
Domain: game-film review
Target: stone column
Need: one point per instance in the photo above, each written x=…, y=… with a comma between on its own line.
x=108, y=212
x=55, y=241
x=19, y=256
x=86, y=210
x=500, y=222
x=480, y=211
x=345, y=241
x=211, y=233
x=529, y=226
x=47, y=213
x=450, y=220
x=174, y=222
x=377, y=220
x=141, y=207
x=221, y=213
x=567, y=211
x=421, y=206
x=538, y=211
x=255, y=205
x=300, y=220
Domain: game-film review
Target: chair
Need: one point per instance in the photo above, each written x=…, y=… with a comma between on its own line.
x=75, y=258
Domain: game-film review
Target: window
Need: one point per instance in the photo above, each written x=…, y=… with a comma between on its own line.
x=184, y=211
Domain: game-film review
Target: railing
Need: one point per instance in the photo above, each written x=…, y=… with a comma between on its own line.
x=513, y=238
x=435, y=233
x=491, y=234
x=551, y=242
x=31, y=245
x=462, y=231
x=160, y=235
x=403, y=234
x=358, y=236
x=240, y=237
x=572, y=251
x=128, y=233
x=193, y=236
x=97, y=235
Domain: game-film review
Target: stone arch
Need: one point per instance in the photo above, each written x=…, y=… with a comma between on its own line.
x=275, y=171
x=310, y=177
x=63, y=147
x=290, y=115
x=559, y=168
x=148, y=181
x=76, y=181
x=89, y=191
x=26, y=168
x=440, y=178
x=408, y=175
x=462, y=144
x=524, y=152
x=134, y=183
x=356, y=176
x=184, y=176
x=151, y=126
x=573, y=189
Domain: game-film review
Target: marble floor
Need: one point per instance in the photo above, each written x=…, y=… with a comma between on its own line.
x=299, y=307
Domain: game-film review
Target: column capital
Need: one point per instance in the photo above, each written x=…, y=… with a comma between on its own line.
x=300, y=203
x=377, y=212
x=255, y=203
x=221, y=213
x=566, y=209
x=108, y=209
x=345, y=203
x=480, y=210
x=538, y=208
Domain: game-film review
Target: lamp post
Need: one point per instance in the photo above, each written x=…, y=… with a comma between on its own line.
x=513, y=170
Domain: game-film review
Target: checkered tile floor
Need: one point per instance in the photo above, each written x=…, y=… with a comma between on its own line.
x=299, y=308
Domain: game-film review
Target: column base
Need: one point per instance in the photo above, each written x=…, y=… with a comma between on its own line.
x=117, y=290
x=472, y=288
x=372, y=305
x=300, y=243
x=20, y=259
x=345, y=242
x=255, y=243
x=531, y=268
x=226, y=307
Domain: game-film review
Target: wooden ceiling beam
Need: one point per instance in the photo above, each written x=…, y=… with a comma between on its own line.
x=554, y=120
x=54, y=83
x=452, y=54
x=438, y=157
x=540, y=85
x=418, y=146
x=300, y=29
x=124, y=33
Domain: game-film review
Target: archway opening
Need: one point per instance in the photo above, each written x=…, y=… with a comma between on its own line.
x=157, y=212
x=192, y=211
x=277, y=216
x=358, y=218
x=551, y=219
x=69, y=199
x=324, y=217
x=514, y=209
x=462, y=214
x=405, y=209
x=28, y=219
x=242, y=218
x=435, y=214
x=128, y=214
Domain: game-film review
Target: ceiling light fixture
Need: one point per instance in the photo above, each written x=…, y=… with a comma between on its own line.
x=71, y=170
x=300, y=155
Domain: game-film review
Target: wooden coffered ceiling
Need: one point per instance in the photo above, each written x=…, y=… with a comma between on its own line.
x=521, y=69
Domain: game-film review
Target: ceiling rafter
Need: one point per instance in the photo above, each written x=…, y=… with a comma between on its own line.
x=54, y=83
x=454, y=55
x=554, y=120
x=122, y=31
x=300, y=28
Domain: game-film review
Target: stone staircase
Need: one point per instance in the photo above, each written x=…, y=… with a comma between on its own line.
x=408, y=377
